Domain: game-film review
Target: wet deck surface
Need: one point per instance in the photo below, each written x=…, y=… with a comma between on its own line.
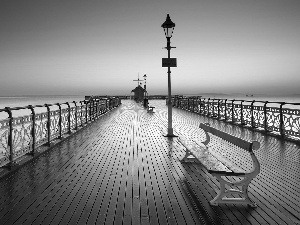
x=121, y=170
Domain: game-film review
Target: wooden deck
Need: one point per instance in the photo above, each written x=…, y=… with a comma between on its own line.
x=122, y=170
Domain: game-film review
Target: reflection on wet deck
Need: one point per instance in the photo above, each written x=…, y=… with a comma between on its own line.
x=121, y=170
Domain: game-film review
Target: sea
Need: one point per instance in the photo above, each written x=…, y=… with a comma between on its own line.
x=22, y=101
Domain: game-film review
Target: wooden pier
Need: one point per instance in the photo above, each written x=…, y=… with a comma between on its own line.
x=120, y=169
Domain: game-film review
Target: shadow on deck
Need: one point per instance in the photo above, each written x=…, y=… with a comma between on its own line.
x=121, y=170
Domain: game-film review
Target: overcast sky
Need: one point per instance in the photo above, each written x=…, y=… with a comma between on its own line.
x=99, y=46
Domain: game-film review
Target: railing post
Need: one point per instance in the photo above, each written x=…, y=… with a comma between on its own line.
x=76, y=127
x=225, y=109
x=181, y=103
x=81, y=114
x=32, y=129
x=219, y=108
x=282, y=133
x=214, y=108
x=10, y=139
x=90, y=102
x=200, y=111
x=252, y=114
x=69, y=118
x=60, y=121
x=265, y=116
x=208, y=106
x=232, y=111
x=98, y=108
x=95, y=109
x=193, y=104
x=109, y=104
x=242, y=114
x=48, y=125
x=101, y=107
x=86, y=111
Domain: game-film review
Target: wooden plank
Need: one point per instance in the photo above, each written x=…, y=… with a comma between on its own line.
x=122, y=191
x=149, y=179
x=111, y=208
x=145, y=219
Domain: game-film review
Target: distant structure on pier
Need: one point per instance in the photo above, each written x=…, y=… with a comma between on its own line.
x=139, y=93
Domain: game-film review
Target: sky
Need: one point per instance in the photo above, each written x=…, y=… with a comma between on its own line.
x=91, y=47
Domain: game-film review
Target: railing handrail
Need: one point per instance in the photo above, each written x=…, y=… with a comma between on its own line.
x=28, y=132
x=251, y=113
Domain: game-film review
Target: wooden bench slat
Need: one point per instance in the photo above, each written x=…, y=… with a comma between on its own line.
x=204, y=156
x=234, y=168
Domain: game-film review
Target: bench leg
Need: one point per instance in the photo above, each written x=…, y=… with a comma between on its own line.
x=189, y=158
x=222, y=193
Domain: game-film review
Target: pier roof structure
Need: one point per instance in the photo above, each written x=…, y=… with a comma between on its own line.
x=120, y=169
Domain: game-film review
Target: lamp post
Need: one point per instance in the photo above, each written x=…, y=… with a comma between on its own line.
x=145, y=93
x=168, y=27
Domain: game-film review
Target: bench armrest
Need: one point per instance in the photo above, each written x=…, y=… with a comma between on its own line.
x=226, y=173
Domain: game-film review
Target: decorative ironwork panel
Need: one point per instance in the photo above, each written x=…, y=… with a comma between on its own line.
x=247, y=115
x=88, y=111
x=83, y=113
x=202, y=106
x=4, y=150
x=291, y=120
x=214, y=109
x=72, y=118
x=41, y=128
x=191, y=105
x=54, y=124
x=103, y=108
x=237, y=112
x=205, y=107
x=65, y=120
x=78, y=112
x=21, y=136
x=273, y=119
x=228, y=111
x=222, y=109
x=184, y=104
x=197, y=106
x=258, y=116
x=209, y=108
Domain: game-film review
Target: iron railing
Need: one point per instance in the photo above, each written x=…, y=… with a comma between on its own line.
x=278, y=118
x=24, y=134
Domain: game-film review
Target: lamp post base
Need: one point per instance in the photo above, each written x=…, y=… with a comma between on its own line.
x=170, y=133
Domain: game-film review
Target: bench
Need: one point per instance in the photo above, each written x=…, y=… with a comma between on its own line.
x=220, y=167
x=150, y=109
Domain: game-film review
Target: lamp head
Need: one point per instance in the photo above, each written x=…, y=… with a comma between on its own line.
x=168, y=26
